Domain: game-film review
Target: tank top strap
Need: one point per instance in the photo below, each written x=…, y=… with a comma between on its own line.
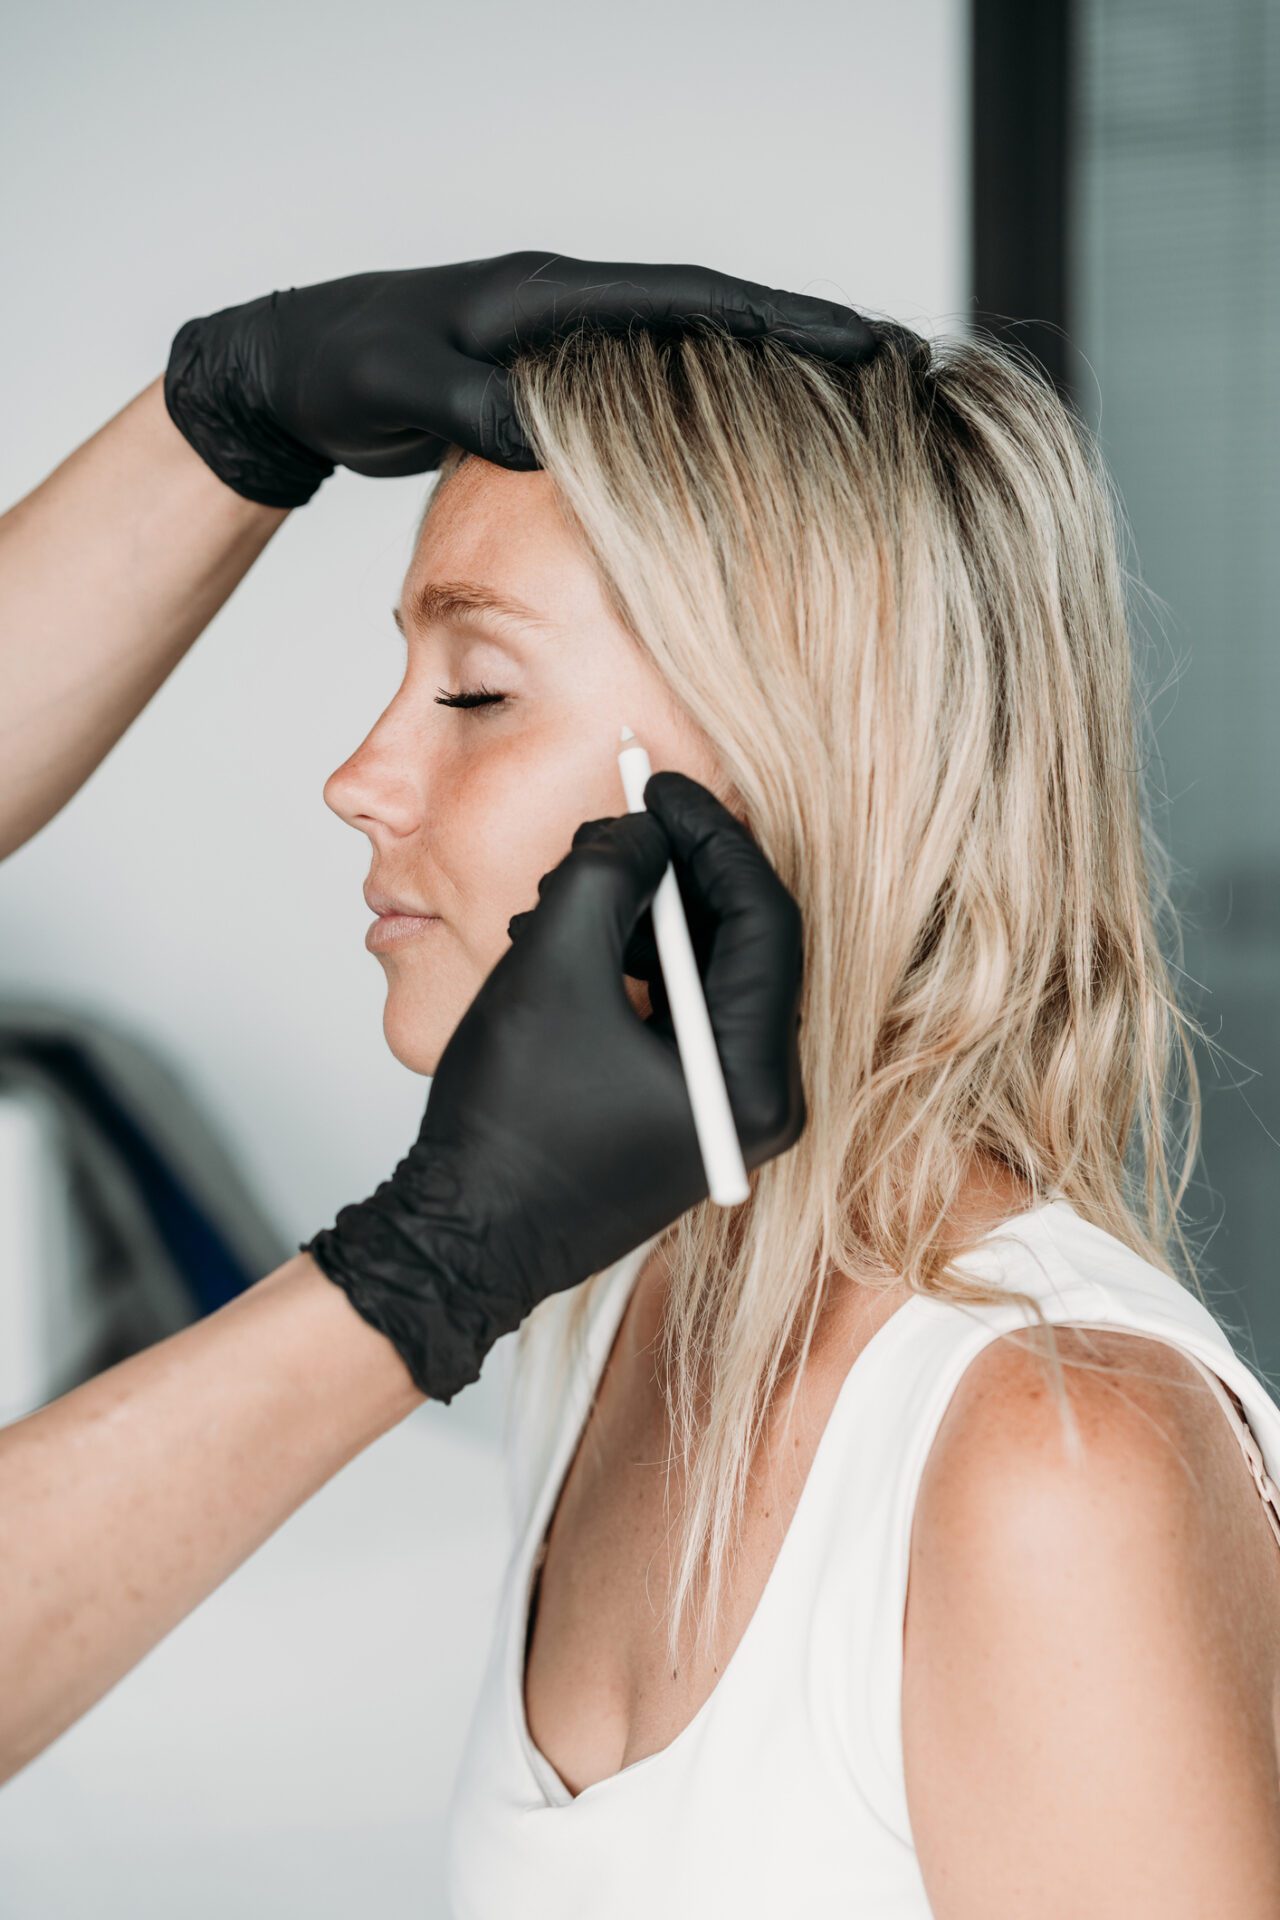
x=550, y=1381
x=1081, y=1276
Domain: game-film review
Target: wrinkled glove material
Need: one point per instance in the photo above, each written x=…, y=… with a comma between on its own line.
x=381, y=372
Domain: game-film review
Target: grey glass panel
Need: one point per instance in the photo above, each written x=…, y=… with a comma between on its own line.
x=1176, y=309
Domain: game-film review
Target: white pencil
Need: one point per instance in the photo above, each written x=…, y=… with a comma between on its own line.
x=708, y=1096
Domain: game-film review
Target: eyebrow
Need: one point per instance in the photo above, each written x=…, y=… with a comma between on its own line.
x=463, y=601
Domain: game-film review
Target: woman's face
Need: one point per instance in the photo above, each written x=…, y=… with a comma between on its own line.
x=465, y=810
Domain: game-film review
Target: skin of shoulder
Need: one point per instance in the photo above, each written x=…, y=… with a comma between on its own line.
x=1092, y=1647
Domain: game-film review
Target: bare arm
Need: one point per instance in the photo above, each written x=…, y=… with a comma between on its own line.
x=1091, y=1651
x=126, y=1502
x=108, y=571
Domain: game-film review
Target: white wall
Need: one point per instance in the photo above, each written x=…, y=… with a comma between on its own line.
x=165, y=161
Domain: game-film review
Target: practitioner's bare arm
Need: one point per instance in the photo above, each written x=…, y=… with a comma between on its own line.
x=128, y=1500
x=108, y=571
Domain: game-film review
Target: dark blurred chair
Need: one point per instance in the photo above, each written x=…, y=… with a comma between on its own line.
x=123, y=1214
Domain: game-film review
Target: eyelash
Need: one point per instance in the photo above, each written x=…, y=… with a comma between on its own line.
x=470, y=697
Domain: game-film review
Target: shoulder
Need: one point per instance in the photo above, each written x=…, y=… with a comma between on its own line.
x=1128, y=1420
x=1092, y=1638
x=1125, y=1437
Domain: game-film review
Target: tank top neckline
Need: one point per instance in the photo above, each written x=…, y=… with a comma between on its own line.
x=603, y=1330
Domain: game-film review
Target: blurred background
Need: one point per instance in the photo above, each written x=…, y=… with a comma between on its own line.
x=192, y=1070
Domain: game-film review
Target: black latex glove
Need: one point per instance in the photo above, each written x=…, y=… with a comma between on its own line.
x=380, y=372
x=558, y=1134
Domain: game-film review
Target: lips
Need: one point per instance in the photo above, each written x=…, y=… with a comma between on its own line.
x=395, y=925
x=386, y=904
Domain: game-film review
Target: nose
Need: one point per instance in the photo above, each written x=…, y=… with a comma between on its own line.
x=375, y=790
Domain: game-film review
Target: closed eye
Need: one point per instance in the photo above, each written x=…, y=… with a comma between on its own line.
x=470, y=697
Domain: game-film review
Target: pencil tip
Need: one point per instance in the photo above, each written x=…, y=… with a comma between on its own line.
x=626, y=734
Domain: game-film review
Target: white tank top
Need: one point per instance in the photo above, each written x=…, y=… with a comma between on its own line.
x=785, y=1793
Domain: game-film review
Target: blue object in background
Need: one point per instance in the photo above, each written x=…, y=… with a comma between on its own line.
x=209, y=1266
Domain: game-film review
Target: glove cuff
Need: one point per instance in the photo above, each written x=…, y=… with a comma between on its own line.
x=249, y=451
x=429, y=1278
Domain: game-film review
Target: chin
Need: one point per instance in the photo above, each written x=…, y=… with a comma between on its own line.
x=417, y=1038
x=416, y=1043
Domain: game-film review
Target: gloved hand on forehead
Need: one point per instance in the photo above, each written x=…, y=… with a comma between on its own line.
x=381, y=372
x=558, y=1133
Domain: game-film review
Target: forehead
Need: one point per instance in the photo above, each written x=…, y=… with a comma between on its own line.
x=505, y=530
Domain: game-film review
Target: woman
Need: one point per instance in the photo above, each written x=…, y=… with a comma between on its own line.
x=219, y=1433
x=880, y=611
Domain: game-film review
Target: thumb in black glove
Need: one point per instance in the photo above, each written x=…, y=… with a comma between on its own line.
x=558, y=1134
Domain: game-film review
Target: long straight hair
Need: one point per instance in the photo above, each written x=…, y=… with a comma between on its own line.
x=893, y=598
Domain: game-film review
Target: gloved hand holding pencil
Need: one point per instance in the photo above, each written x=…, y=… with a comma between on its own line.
x=559, y=1133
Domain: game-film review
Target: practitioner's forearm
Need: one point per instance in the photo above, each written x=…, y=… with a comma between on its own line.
x=108, y=571
x=128, y=1500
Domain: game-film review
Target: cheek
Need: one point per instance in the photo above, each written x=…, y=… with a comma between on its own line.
x=507, y=817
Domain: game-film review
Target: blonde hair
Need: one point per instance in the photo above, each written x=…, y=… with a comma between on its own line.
x=893, y=599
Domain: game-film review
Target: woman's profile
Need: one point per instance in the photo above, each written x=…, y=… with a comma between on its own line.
x=903, y=1541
